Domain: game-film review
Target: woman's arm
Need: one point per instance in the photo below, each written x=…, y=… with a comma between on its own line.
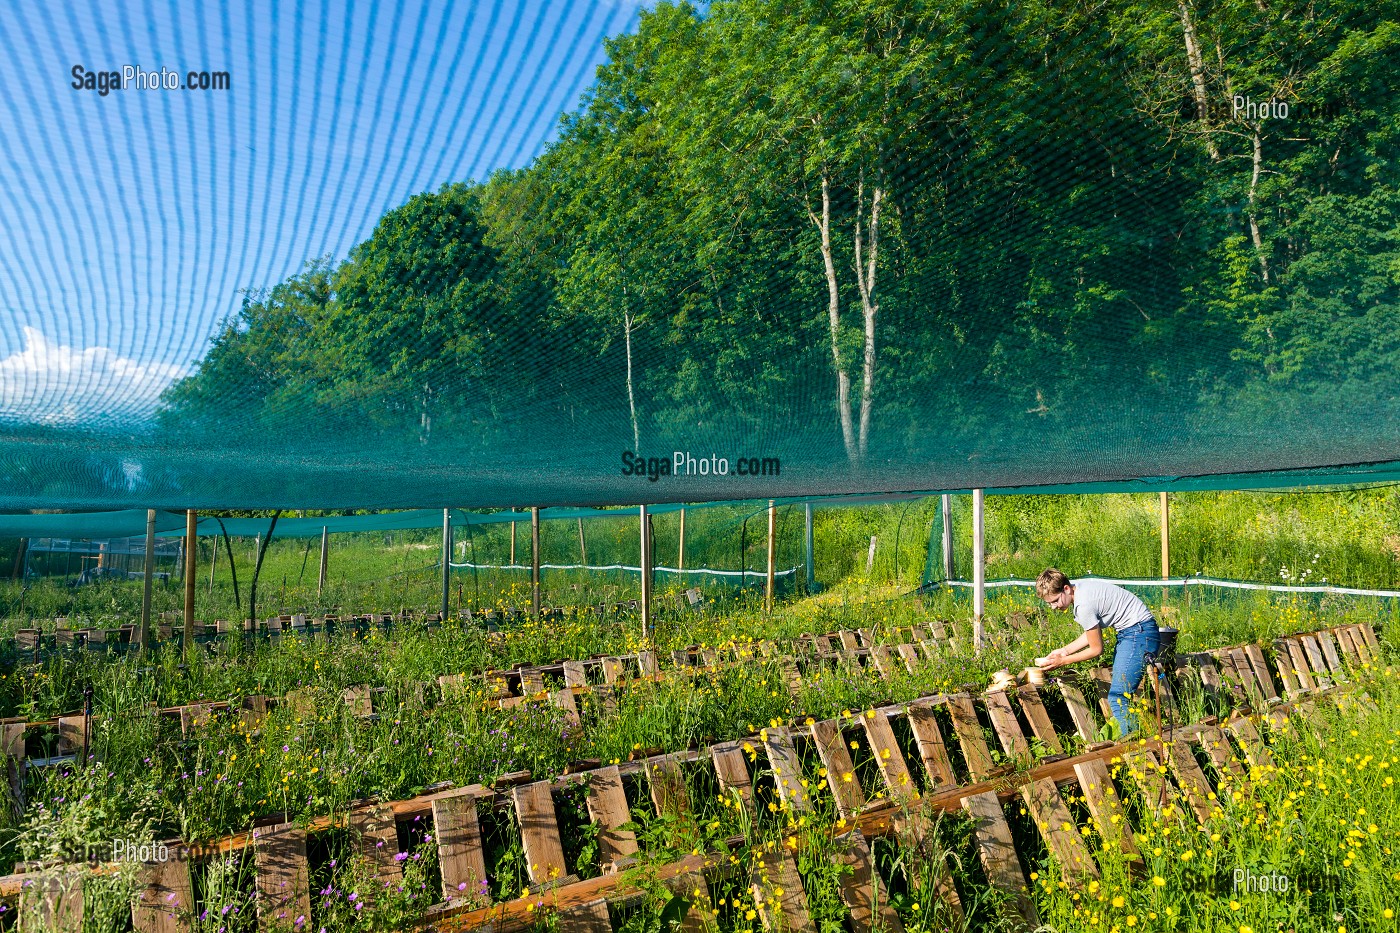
x=1084, y=648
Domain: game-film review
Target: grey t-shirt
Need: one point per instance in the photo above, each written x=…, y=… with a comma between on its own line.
x=1100, y=603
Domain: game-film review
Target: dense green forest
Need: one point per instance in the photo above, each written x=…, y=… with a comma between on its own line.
x=1040, y=240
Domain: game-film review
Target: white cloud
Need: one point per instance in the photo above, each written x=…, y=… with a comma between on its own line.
x=49, y=383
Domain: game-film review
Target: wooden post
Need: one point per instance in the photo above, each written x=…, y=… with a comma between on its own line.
x=808, y=541
x=191, y=558
x=947, y=536
x=18, y=572
x=325, y=561
x=646, y=572
x=772, y=552
x=979, y=565
x=144, y=635
x=446, y=558
x=1166, y=540
x=680, y=552
x=512, y=540
x=534, y=559
x=213, y=563
x=582, y=546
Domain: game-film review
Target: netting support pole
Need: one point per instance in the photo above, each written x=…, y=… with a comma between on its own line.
x=213, y=563
x=534, y=559
x=144, y=636
x=808, y=541
x=646, y=572
x=512, y=541
x=947, y=504
x=979, y=566
x=1166, y=538
x=772, y=553
x=680, y=551
x=191, y=559
x=582, y=545
x=446, y=559
x=325, y=561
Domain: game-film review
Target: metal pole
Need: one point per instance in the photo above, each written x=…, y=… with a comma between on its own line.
x=680, y=553
x=582, y=546
x=979, y=565
x=646, y=572
x=1166, y=538
x=213, y=562
x=947, y=536
x=772, y=554
x=512, y=540
x=325, y=561
x=446, y=558
x=191, y=558
x=144, y=636
x=534, y=559
x=809, y=540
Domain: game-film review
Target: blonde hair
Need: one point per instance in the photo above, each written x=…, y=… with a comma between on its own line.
x=1051, y=582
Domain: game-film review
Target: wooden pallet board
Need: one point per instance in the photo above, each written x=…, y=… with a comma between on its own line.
x=1056, y=825
x=997, y=852
x=898, y=781
x=1344, y=641
x=970, y=737
x=1368, y=635
x=1245, y=732
x=461, y=858
x=791, y=675
x=12, y=747
x=539, y=832
x=531, y=682
x=862, y=891
x=613, y=670
x=55, y=901
x=1221, y=753
x=1033, y=707
x=359, y=701
x=840, y=770
x=1191, y=778
x=910, y=655
x=1146, y=771
x=848, y=640
x=923, y=722
x=283, y=878
x=1329, y=654
x=166, y=897
x=778, y=894
x=195, y=717
x=787, y=768
x=589, y=917
x=693, y=888
x=1078, y=706
x=667, y=784
x=1262, y=677
x=1299, y=660
x=574, y=675
x=377, y=839
x=732, y=772
x=647, y=663
x=1004, y=723
x=1316, y=664
x=565, y=700
x=1245, y=671
x=71, y=732
x=607, y=806
x=1106, y=807
x=883, y=659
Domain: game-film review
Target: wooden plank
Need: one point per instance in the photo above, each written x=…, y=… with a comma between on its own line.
x=564, y=699
x=695, y=890
x=710, y=656
x=1222, y=754
x=997, y=852
x=667, y=782
x=1008, y=730
x=1262, y=677
x=646, y=662
x=607, y=806
x=613, y=670
x=1256, y=752
x=910, y=655
x=862, y=891
x=1284, y=664
x=377, y=839
x=867, y=637
x=1365, y=641
x=898, y=781
x=969, y=733
x=1034, y=709
x=1191, y=778
x=883, y=658
x=531, y=682
x=1245, y=672
x=1329, y=654
x=574, y=675
x=1313, y=652
x=732, y=772
x=359, y=701
x=539, y=831
x=166, y=897
x=589, y=917
x=1368, y=635
x=1078, y=707
x=791, y=675
x=680, y=657
x=778, y=895
x=1107, y=808
x=923, y=722
x=1056, y=825
x=195, y=717
x=452, y=685
x=1299, y=661
x=12, y=747
x=1146, y=771
x=460, y=854
x=848, y=640
x=283, y=881
x=1230, y=676
x=55, y=902
x=840, y=770
x=1344, y=639
x=787, y=770
x=71, y=730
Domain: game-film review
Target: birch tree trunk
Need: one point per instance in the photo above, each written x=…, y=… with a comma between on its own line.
x=1196, y=63
x=627, y=322
x=1254, y=234
x=867, y=251
x=843, y=381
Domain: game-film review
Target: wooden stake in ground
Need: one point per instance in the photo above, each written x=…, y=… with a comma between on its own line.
x=646, y=572
x=772, y=552
x=534, y=560
x=191, y=557
x=446, y=558
x=325, y=561
x=144, y=636
x=979, y=567
x=680, y=548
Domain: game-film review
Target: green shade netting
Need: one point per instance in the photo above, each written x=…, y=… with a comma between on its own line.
x=851, y=247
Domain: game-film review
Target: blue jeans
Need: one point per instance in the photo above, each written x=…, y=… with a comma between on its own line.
x=1128, y=665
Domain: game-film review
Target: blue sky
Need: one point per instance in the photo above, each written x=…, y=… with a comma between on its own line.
x=130, y=222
